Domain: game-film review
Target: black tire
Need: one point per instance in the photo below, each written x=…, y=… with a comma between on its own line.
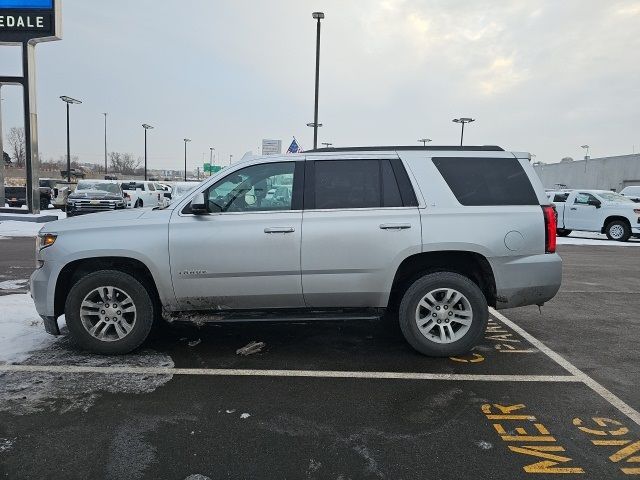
x=138, y=204
x=626, y=231
x=137, y=293
x=432, y=281
x=561, y=232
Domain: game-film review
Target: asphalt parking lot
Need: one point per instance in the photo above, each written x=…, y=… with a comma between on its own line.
x=549, y=392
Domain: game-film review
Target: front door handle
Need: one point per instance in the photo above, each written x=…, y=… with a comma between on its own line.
x=279, y=230
x=395, y=226
x=573, y=208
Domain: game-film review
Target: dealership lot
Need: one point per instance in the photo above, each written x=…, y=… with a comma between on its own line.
x=342, y=400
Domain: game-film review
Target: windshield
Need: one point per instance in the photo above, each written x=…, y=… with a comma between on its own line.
x=102, y=186
x=631, y=191
x=614, y=197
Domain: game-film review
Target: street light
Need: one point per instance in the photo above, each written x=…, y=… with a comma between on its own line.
x=69, y=101
x=318, y=16
x=462, y=121
x=211, y=149
x=586, y=147
x=327, y=144
x=186, y=140
x=424, y=141
x=105, y=143
x=146, y=127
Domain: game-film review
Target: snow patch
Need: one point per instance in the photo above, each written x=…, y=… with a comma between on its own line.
x=245, y=415
x=6, y=444
x=484, y=445
x=197, y=476
x=21, y=328
x=592, y=238
x=16, y=228
x=13, y=284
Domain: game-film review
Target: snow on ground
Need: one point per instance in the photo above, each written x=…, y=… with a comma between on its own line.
x=24, y=341
x=13, y=284
x=16, y=228
x=592, y=238
x=21, y=328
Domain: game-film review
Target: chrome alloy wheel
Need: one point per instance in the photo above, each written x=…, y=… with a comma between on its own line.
x=444, y=315
x=108, y=313
x=616, y=232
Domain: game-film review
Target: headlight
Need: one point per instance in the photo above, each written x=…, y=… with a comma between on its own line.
x=46, y=240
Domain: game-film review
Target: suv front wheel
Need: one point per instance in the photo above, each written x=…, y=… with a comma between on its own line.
x=109, y=312
x=443, y=314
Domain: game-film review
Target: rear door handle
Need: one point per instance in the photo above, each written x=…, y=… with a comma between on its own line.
x=395, y=226
x=573, y=208
x=279, y=230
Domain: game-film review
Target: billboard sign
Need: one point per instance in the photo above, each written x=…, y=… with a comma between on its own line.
x=29, y=20
x=271, y=147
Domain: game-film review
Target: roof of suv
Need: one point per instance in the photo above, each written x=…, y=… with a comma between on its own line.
x=470, y=148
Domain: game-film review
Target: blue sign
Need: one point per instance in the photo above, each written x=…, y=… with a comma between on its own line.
x=26, y=4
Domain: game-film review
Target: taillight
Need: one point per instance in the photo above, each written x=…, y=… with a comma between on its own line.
x=549, y=229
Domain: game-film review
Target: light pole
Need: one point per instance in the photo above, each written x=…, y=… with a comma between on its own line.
x=318, y=16
x=186, y=140
x=586, y=148
x=462, y=121
x=146, y=127
x=211, y=149
x=105, y=143
x=69, y=101
x=424, y=141
x=327, y=144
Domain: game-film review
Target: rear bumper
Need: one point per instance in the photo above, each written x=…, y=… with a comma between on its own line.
x=530, y=280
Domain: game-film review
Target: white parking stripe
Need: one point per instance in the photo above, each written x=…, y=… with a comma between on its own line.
x=572, y=369
x=222, y=372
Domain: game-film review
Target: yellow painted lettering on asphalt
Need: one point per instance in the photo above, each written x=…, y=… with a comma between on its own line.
x=548, y=465
x=626, y=454
x=551, y=462
x=475, y=358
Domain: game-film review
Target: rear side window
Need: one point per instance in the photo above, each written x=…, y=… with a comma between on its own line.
x=347, y=184
x=560, y=197
x=487, y=181
x=151, y=187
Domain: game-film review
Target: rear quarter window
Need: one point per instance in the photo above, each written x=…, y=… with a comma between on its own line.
x=486, y=181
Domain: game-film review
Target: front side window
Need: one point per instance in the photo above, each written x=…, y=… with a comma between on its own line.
x=257, y=188
x=583, y=199
x=560, y=197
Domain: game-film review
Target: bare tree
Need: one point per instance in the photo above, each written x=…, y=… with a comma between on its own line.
x=123, y=163
x=18, y=146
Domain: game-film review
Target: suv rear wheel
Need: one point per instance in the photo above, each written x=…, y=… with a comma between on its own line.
x=443, y=314
x=109, y=312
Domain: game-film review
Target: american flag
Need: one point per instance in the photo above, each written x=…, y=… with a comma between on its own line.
x=294, y=147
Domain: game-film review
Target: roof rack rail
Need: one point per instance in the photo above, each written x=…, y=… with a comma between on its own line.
x=470, y=148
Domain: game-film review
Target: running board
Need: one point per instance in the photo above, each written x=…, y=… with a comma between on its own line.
x=282, y=315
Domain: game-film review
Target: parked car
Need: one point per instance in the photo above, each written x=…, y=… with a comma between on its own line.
x=16, y=197
x=92, y=196
x=632, y=192
x=143, y=194
x=599, y=211
x=430, y=236
x=61, y=192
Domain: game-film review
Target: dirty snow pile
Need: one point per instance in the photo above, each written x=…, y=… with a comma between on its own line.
x=21, y=329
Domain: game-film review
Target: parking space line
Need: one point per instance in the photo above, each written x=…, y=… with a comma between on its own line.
x=285, y=373
x=572, y=369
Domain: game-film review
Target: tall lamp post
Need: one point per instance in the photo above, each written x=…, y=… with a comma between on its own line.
x=146, y=127
x=211, y=149
x=105, y=143
x=424, y=141
x=318, y=16
x=586, y=148
x=69, y=101
x=186, y=140
x=462, y=121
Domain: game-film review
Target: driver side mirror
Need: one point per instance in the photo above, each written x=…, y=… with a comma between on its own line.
x=594, y=203
x=198, y=205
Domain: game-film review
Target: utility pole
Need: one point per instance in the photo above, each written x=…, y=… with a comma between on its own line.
x=318, y=16
x=186, y=140
x=105, y=143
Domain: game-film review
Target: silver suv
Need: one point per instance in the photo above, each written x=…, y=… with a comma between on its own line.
x=430, y=235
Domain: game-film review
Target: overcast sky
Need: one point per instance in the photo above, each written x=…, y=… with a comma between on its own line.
x=538, y=76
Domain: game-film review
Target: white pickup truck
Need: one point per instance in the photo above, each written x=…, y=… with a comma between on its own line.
x=140, y=193
x=596, y=211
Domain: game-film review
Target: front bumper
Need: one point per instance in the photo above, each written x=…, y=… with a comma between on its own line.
x=528, y=280
x=42, y=288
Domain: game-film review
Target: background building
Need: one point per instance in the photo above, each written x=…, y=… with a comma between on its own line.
x=606, y=173
x=271, y=147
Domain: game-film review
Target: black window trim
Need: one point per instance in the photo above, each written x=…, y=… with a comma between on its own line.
x=407, y=193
